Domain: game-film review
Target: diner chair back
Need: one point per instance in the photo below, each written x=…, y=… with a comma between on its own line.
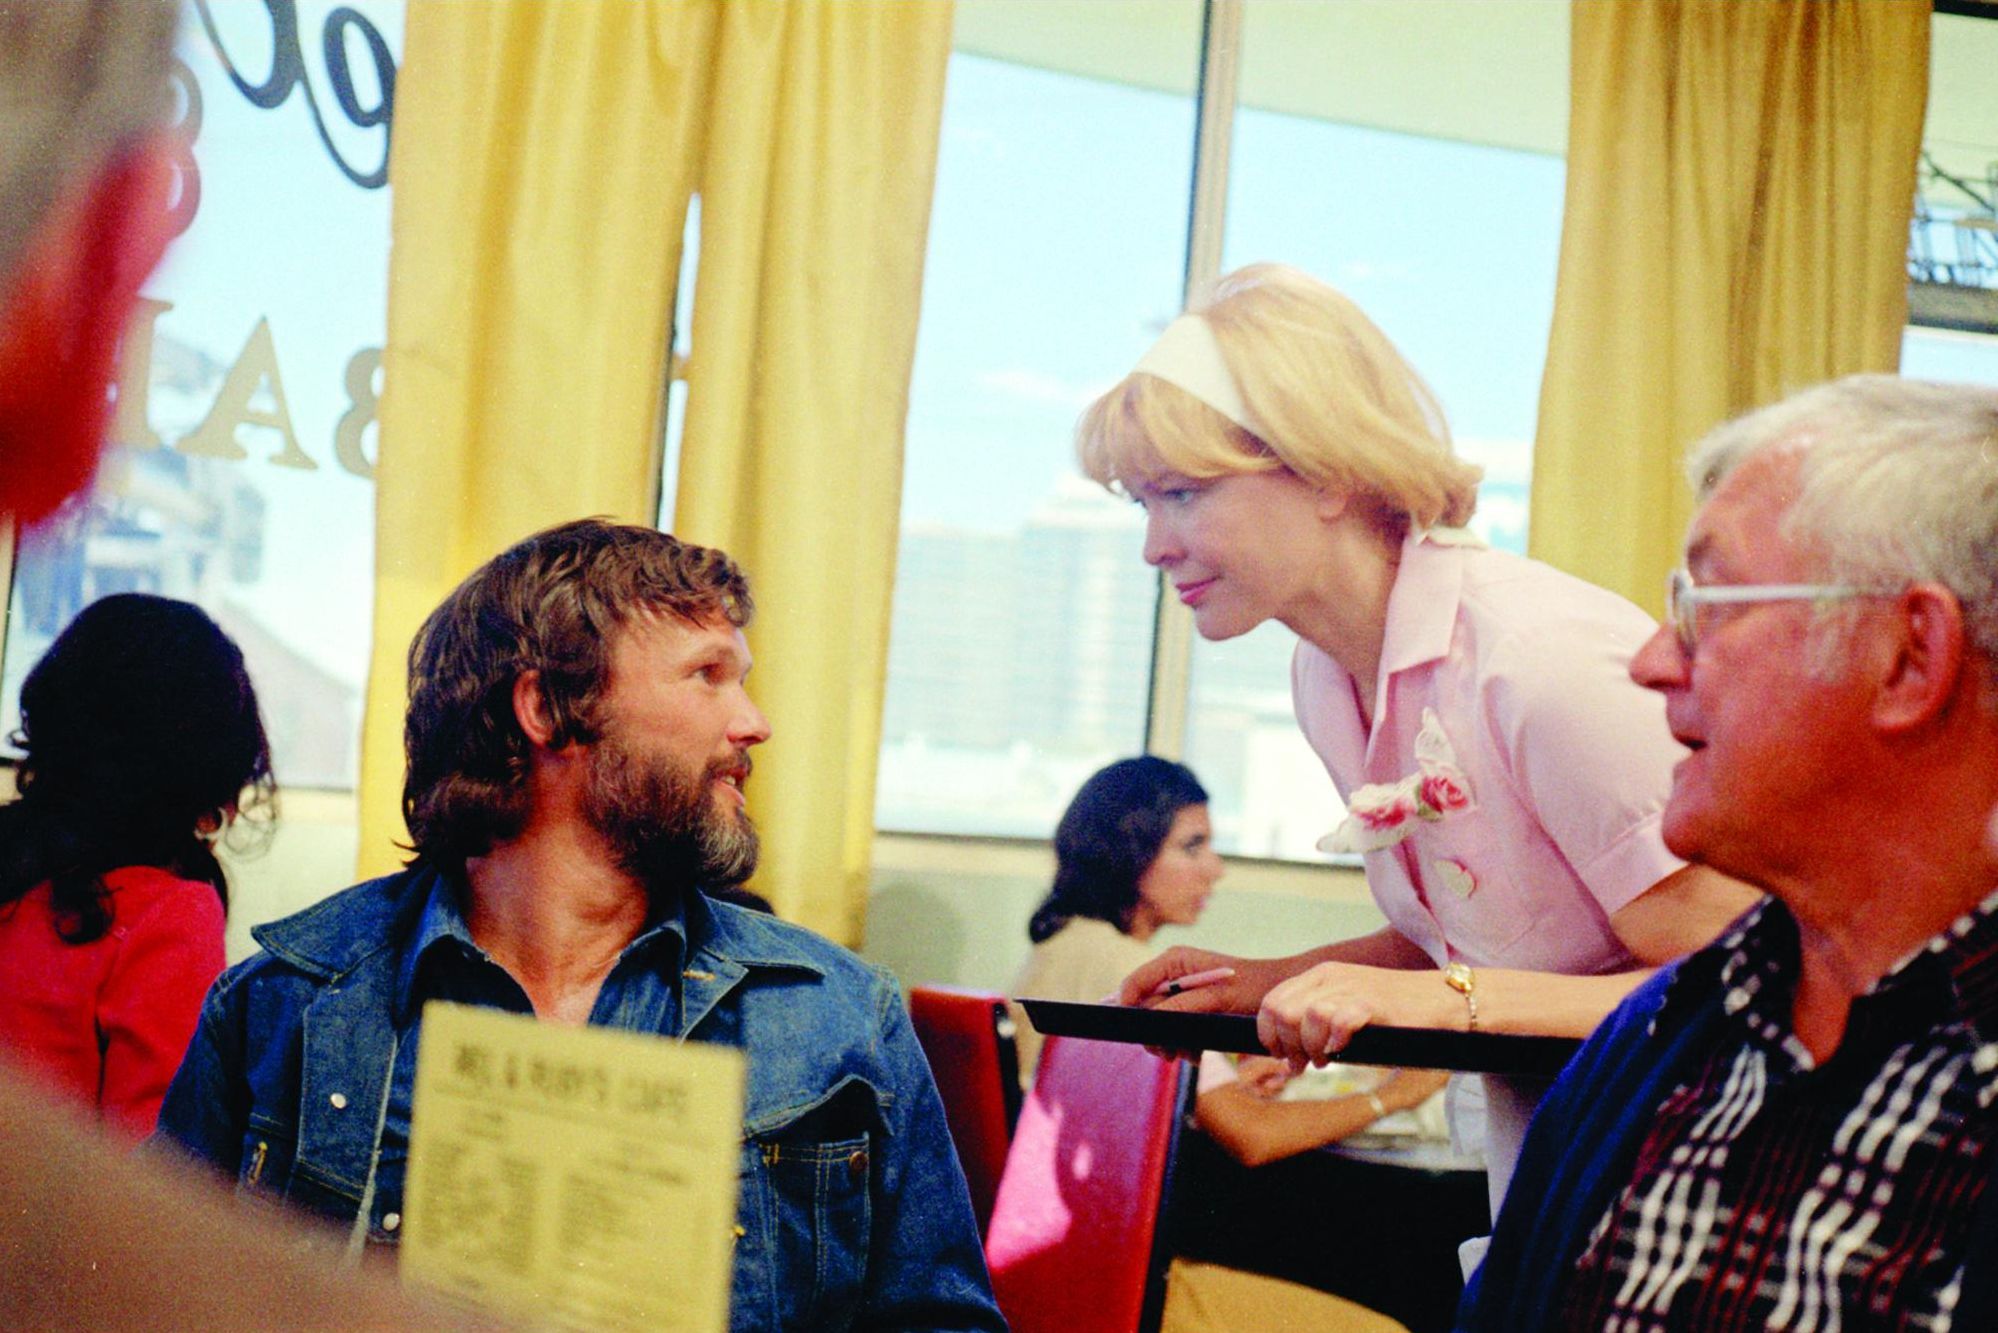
x=968, y=1037
x=1076, y=1243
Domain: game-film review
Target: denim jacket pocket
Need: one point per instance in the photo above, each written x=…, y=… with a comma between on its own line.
x=269, y=1172
x=268, y=1151
x=805, y=1212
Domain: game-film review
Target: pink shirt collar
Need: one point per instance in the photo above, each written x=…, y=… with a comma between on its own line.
x=1422, y=608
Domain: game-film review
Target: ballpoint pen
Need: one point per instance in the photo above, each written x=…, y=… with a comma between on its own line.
x=1191, y=981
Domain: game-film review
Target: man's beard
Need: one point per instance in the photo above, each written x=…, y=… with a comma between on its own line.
x=663, y=824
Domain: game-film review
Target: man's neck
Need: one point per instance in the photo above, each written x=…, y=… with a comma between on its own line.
x=1893, y=901
x=552, y=910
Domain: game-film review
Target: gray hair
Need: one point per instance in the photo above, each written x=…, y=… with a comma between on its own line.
x=1898, y=483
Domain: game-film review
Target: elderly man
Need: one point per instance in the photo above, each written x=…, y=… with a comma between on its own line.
x=1793, y=1128
x=578, y=738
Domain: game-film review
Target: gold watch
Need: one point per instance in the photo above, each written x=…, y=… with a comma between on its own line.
x=1460, y=978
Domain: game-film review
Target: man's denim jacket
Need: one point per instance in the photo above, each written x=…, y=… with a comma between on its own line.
x=853, y=1211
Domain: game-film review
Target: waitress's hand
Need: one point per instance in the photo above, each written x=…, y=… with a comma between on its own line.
x=1310, y=1018
x=1153, y=986
x=1156, y=985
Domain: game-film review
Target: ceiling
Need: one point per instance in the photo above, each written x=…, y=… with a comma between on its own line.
x=1481, y=71
x=1421, y=66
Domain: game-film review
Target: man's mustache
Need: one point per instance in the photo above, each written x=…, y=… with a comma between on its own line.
x=739, y=768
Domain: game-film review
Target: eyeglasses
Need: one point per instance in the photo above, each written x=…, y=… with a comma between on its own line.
x=1684, y=598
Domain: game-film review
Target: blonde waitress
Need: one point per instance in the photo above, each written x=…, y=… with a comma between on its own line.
x=1503, y=775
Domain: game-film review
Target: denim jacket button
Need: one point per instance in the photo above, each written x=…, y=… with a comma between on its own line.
x=857, y=1163
x=391, y=1221
x=339, y=1100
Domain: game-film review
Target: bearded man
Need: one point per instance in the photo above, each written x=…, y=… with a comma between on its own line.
x=578, y=739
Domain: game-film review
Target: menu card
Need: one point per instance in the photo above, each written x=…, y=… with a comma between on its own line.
x=573, y=1178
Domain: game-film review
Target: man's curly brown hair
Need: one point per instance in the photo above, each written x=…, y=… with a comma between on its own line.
x=552, y=604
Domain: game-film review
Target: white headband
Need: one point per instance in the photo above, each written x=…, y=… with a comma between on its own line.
x=1188, y=355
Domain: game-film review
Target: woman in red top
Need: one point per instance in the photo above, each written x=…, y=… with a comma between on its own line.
x=143, y=742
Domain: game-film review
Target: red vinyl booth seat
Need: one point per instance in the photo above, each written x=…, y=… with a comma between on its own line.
x=968, y=1038
x=1074, y=1245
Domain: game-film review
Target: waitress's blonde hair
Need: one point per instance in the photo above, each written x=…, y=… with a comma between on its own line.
x=1337, y=403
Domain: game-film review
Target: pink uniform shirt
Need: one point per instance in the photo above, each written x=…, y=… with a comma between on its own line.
x=1523, y=670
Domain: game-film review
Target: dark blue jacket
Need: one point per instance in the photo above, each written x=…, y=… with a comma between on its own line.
x=852, y=1211
x=1581, y=1148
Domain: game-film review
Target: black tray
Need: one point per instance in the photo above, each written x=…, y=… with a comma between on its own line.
x=1418, y=1048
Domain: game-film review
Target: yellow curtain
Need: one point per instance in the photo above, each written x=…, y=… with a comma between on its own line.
x=544, y=154
x=1740, y=179
x=814, y=209
x=542, y=160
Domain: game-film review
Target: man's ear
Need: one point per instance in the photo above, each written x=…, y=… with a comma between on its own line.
x=1926, y=672
x=531, y=712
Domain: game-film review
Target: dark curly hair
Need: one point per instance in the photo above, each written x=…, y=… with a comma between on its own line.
x=551, y=604
x=1108, y=837
x=136, y=724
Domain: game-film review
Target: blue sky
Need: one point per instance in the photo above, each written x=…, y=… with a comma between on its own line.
x=1058, y=236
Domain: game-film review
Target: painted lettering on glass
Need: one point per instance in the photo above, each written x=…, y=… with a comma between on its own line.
x=288, y=71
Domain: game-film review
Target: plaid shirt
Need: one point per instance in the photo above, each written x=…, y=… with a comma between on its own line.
x=1774, y=1193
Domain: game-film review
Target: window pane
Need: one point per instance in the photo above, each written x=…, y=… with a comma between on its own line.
x=244, y=442
x=674, y=427
x=1020, y=649
x=1938, y=354
x=1451, y=248
x=1953, y=243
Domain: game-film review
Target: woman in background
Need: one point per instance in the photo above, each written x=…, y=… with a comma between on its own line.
x=1134, y=851
x=142, y=744
x=1503, y=775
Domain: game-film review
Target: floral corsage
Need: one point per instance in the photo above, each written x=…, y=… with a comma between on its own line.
x=1382, y=814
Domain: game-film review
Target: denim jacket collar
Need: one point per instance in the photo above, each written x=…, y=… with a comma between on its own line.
x=442, y=925
x=362, y=944
x=407, y=912
x=722, y=947
x=335, y=935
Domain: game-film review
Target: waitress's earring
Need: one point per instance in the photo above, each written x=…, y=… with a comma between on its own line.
x=209, y=827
